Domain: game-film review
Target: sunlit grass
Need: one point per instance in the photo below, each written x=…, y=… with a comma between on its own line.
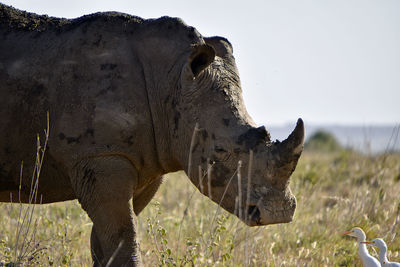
x=335, y=192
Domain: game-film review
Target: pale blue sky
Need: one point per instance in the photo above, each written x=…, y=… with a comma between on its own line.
x=327, y=61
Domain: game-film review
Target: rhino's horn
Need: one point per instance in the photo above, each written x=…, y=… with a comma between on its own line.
x=293, y=145
x=289, y=152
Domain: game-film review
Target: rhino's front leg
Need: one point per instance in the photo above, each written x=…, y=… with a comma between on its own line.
x=95, y=247
x=104, y=186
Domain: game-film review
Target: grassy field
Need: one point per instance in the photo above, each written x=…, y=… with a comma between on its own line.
x=180, y=227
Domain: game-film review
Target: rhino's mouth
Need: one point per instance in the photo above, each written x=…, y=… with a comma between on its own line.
x=258, y=215
x=283, y=216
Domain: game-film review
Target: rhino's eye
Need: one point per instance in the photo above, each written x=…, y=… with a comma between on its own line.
x=222, y=157
x=221, y=154
x=219, y=149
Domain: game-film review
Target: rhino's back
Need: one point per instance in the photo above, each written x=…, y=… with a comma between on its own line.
x=12, y=19
x=71, y=68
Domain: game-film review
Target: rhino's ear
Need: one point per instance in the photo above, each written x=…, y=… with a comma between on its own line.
x=199, y=59
x=221, y=45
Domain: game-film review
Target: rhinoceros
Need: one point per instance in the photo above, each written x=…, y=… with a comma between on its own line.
x=129, y=100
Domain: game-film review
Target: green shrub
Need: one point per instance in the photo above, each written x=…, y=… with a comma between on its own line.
x=323, y=141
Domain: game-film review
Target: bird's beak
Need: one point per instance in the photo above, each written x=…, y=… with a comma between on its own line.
x=346, y=233
x=366, y=242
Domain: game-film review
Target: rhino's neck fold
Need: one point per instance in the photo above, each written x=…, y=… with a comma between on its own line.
x=160, y=132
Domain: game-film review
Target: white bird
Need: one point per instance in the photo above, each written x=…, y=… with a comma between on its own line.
x=379, y=243
x=366, y=259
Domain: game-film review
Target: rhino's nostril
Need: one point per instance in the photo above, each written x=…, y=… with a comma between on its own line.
x=253, y=213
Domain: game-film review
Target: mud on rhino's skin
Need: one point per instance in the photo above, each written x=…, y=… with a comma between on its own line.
x=124, y=95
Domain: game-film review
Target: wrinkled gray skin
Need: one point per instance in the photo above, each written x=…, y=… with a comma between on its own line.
x=124, y=96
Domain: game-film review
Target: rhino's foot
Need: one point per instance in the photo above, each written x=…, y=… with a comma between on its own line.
x=124, y=254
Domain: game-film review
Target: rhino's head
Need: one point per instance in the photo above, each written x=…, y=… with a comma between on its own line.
x=226, y=156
